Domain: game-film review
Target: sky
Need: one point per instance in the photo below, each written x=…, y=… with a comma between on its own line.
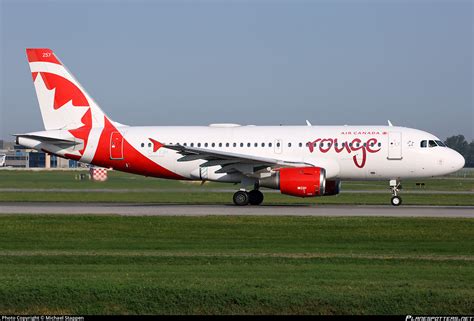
x=250, y=62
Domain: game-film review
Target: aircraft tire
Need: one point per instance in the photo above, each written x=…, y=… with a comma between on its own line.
x=241, y=198
x=396, y=200
x=255, y=197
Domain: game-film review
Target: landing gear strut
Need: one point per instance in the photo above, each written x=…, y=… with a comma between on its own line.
x=395, y=187
x=254, y=197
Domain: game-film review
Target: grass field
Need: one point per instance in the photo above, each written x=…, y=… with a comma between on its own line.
x=122, y=187
x=227, y=265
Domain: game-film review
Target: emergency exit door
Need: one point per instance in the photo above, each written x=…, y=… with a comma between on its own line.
x=116, y=146
x=394, y=145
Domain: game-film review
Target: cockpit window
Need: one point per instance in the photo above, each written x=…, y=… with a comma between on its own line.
x=440, y=143
x=423, y=143
x=432, y=143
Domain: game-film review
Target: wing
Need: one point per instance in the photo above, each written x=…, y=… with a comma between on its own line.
x=231, y=162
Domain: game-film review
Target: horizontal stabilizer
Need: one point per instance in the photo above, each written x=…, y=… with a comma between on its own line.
x=47, y=139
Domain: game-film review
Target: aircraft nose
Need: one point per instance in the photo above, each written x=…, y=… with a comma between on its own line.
x=457, y=161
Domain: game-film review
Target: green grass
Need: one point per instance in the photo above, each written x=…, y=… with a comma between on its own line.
x=140, y=189
x=226, y=265
x=118, y=180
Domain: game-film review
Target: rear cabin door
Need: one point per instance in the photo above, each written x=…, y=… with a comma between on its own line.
x=116, y=146
x=394, y=145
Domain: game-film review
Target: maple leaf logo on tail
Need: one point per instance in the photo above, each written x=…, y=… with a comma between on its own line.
x=64, y=104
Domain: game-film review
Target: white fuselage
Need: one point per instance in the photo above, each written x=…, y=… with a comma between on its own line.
x=389, y=152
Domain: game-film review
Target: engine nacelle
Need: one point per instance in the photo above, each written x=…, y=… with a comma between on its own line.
x=297, y=181
x=333, y=187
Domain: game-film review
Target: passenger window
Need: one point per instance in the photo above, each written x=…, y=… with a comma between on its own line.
x=199, y=144
x=185, y=144
x=289, y=144
x=269, y=144
x=432, y=143
x=423, y=144
x=143, y=144
x=278, y=144
x=300, y=144
x=263, y=144
x=248, y=144
x=149, y=144
x=192, y=144
x=255, y=144
x=220, y=144
x=206, y=144
x=380, y=144
x=241, y=144
x=235, y=145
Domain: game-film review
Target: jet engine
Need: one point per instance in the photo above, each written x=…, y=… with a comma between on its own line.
x=333, y=187
x=297, y=181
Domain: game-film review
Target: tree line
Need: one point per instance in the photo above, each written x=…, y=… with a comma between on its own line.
x=459, y=143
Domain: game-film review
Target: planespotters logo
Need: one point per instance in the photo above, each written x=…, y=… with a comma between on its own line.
x=438, y=318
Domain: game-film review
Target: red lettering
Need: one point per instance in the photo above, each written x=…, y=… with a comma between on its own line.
x=328, y=147
x=370, y=143
x=355, y=146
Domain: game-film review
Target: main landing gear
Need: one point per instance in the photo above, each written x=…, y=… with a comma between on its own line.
x=242, y=197
x=395, y=187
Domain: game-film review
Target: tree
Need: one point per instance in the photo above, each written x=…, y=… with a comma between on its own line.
x=470, y=155
x=459, y=144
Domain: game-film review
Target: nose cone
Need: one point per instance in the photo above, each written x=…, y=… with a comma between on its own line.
x=457, y=161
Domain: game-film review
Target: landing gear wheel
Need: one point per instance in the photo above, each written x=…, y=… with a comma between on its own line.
x=241, y=198
x=396, y=200
x=255, y=197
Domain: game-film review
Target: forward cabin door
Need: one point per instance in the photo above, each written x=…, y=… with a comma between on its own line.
x=116, y=146
x=394, y=145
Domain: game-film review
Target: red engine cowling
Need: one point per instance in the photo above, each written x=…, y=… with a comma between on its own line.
x=333, y=187
x=298, y=181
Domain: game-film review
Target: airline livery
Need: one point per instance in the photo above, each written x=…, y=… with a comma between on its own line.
x=302, y=161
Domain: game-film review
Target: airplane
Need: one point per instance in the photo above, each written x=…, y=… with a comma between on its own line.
x=302, y=161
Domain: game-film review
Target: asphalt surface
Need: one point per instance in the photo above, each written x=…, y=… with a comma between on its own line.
x=203, y=210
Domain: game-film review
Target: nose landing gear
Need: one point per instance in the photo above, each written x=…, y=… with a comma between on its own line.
x=395, y=187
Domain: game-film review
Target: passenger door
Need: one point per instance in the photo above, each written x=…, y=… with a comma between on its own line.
x=394, y=145
x=116, y=146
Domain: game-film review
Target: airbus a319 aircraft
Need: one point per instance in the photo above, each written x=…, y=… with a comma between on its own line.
x=302, y=161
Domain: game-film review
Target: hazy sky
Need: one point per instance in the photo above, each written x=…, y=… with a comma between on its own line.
x=250, y=62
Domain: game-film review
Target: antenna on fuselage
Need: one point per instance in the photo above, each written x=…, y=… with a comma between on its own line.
x=308, y=123
x=389, y=123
